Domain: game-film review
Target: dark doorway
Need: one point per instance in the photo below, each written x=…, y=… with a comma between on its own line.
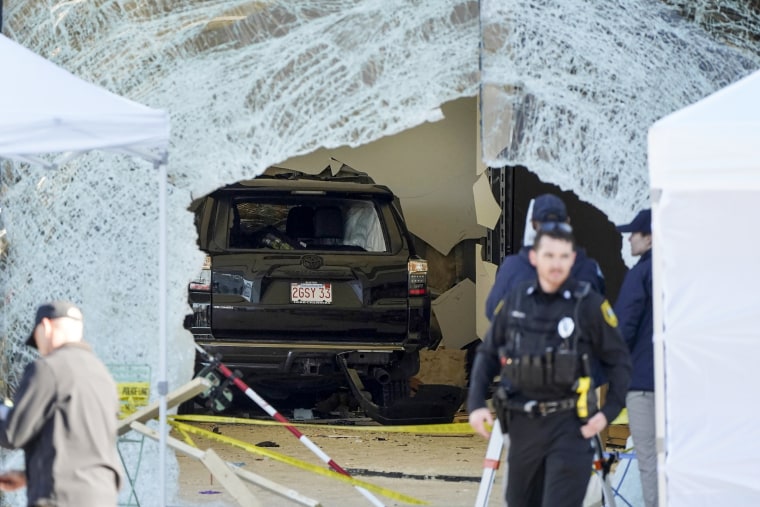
x=514, y=187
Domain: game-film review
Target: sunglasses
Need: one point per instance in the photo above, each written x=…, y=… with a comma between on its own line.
x=555, y=226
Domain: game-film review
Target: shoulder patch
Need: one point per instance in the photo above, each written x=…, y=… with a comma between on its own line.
x=608, y=314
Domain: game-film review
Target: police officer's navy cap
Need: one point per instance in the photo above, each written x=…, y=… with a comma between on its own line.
x=53, y=310
x=642, y=223
x=549, y=208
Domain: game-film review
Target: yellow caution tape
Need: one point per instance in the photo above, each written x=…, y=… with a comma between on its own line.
x=326, y=472
x=132, y=396
x=186, y=437
x=420, y=429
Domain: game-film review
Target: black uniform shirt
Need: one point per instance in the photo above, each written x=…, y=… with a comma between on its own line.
x=599, y=337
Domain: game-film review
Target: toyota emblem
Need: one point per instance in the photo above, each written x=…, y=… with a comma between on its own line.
x=311, y=261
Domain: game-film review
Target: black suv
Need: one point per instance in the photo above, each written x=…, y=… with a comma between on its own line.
x=311, y=282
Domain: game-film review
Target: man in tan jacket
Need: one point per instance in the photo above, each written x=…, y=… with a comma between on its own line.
x=64, y=415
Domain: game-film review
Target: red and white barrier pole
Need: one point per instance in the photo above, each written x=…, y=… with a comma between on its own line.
x=269, y=409
x=491, y=464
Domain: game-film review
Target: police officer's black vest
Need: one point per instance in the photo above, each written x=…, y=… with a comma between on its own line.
x=540, y=359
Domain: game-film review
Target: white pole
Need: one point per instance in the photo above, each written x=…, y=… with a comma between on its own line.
x=491, y=463
x=659, y=344
x=163, y=385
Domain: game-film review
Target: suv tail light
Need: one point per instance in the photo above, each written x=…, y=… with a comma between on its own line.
x=203, y=282
x=200, y=284
x=417, y=269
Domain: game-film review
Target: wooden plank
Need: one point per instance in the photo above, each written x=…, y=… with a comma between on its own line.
x=251, y=477
x=183, y=393
x=617, y=435
x=275, y=487
x=231, y=482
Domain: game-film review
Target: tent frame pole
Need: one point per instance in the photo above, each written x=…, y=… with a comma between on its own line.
x=659, y=346
x=163, y=384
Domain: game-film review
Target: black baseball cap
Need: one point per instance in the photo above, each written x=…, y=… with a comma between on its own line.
x=549, y=208
x=53, y=310
x=641, y=223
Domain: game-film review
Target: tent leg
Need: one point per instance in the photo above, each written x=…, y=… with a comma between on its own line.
x=163, y=384
x=659, y=349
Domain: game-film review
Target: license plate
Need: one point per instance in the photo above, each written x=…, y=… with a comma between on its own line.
x=311, y=293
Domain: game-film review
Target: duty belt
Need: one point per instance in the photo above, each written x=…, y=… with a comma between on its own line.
x=541, y=408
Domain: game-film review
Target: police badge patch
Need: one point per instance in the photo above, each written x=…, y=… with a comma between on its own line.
x=609, y=314
x=565, y=327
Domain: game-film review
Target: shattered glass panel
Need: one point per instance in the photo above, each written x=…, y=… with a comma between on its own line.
x=570, y=88
x=733, y=22
x=249, y=84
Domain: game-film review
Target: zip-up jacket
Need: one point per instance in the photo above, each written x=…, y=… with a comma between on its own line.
x=635, y=313
x=64, y=417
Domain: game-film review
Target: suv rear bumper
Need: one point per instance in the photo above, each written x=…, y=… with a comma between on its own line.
x=301, y=359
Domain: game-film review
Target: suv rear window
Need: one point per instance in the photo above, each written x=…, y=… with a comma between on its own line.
x=324, y=224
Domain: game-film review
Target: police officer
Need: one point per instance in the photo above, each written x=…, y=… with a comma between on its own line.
x=517, y=267
x=542, y=337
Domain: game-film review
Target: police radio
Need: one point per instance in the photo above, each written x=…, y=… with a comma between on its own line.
x=565, y=364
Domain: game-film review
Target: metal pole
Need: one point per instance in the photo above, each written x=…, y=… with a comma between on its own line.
x=608, y=494
x=163, y=385
x=491, y=464
x=658, y=299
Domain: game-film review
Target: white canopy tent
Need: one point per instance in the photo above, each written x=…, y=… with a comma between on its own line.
x=704, y=163
x=46, y=110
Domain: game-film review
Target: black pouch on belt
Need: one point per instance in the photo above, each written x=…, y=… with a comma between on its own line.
x=536, y=372
x=549, y=367
x=500, y=407
x=511, y=370
x=565, y=364
x=526, y=375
